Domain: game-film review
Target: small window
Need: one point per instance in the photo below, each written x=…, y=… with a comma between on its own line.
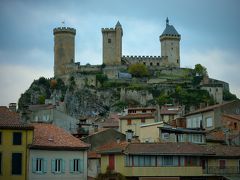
x=209, y=122
x=151, y=63
x=144, y=111
x=129, y=122
x=144, y=63
x=177, y=61
x=216, y=89
x=39, y=165
x=16, y=163
x=17, y=138
x=157, y=64
x=109, y=40
x=58, y=166
x=76, y=165
x=172, y=48
x=0, y=137
x=142, y=120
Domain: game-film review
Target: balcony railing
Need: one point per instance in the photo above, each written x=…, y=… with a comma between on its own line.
x=219, y=171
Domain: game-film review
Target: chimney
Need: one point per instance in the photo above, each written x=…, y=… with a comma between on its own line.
x=13, y=107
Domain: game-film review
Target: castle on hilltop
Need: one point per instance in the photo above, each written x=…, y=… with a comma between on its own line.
x=64, y=51
x=114, y=63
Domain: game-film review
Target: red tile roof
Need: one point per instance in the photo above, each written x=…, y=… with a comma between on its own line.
x=48, y=136
x=11, y=120
x=7, y=115
x=215, y=135
x=137, y=116
x=93, y=155
x=224, y=150
x=112, y=147
x=209, y=108
x=167, y=148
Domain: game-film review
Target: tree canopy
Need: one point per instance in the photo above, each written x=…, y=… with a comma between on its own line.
x=138, y=70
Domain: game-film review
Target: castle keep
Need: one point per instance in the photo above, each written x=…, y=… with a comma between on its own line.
x=112, y=58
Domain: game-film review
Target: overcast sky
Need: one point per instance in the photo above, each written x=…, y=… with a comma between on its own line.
x=210, y=32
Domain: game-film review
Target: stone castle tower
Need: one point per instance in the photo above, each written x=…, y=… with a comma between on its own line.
x=64, y=49
x=170, y=45
x=112, y=45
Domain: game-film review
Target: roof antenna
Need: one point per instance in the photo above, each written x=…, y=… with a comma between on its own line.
x=167, y=22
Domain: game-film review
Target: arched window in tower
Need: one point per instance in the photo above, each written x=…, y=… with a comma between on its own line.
x=177, y=61
x=151, y=63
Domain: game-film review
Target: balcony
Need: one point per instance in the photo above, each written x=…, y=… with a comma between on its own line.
x=216, y=170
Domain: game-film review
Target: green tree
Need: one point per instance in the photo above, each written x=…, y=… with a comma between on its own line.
x=41, y=99
x=101, y=78
x=228, y=96
x=138, y=70
x=200, y=70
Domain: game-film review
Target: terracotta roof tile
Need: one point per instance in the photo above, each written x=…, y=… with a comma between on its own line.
x=93, y=155
x=112, y=147
x=7, y=115
x=224, y=150
x=215, y=135
x=11, y=120
x=167, y=148
x=50, y=136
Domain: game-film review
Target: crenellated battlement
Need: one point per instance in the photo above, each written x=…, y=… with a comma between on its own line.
x=108, y=29
x=64, y=30
x=142, y=57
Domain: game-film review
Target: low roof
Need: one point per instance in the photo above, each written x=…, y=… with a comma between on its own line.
x=233, y=116
x=112, y=147
x=209, y=108
x=224, y=150
x=137, y=116
x=182, y=130
x=167, y=148
x=11, y=120
x=48, y=136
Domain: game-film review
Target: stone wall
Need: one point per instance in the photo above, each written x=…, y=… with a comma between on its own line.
x=142, y=96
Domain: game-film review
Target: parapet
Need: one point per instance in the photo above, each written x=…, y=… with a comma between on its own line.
x=64, y=30
x=108, y=30
x=142, y=57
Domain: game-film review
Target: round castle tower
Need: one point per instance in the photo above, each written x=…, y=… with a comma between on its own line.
x=64, y=49
x=170, y=40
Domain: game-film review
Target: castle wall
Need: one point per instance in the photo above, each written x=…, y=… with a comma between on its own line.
x=142, y=97
x=216, y=91
x=154, y=61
